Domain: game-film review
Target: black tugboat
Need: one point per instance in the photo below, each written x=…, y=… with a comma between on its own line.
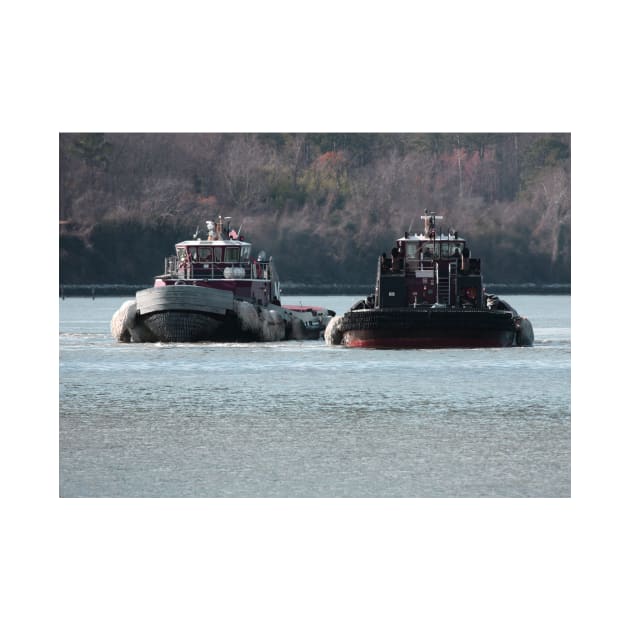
x=212, y=289
x=429, y=294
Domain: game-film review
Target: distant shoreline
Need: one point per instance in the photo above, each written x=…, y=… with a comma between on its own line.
x=291, y=288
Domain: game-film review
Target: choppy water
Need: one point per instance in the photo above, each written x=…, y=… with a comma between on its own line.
x=302, y=419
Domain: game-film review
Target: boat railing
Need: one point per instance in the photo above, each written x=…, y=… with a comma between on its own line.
x=170, y=266
x=472, y=265
x=419, y=264
x=200, y=270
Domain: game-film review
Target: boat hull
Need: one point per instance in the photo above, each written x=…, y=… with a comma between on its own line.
x=185, y=326
x=188, y=313
x=427, y=328
x=183, y=313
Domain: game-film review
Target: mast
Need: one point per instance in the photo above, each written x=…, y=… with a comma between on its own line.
x=429, y=224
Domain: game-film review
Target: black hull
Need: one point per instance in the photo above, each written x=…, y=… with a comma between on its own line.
x=187, y=327
x=428, y=328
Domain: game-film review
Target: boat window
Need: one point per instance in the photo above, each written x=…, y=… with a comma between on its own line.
x=245, y=253
x=217, y=254
x=232, y=254
x=181, y=254
x=192, y=252
x=450, y=249
x=427, y=249
x=205, y=254
x=411, y=250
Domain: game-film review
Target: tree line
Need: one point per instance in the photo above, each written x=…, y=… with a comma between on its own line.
x=325, y=205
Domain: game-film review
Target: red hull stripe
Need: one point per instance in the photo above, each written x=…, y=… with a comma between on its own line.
x=497, y=340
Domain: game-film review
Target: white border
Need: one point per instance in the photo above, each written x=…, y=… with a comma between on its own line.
x=342, y=66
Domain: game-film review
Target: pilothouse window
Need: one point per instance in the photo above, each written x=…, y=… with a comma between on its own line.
x=232, y=254
x=205, y=254
x=454, y=249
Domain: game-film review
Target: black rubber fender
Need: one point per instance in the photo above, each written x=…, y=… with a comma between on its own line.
x=524, y=332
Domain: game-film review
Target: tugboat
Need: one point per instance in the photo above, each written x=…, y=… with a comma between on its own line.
x=314, y=318
x=213, y=290
x=429, y=294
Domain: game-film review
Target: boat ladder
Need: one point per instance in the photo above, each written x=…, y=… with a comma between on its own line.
x=444, y=283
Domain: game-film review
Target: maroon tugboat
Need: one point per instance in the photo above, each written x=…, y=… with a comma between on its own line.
x=212, y=289
x=429, y=294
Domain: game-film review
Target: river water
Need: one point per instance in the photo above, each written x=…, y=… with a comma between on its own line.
x=303, y=419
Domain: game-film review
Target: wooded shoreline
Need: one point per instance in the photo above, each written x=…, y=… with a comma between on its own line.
x=324, y=205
